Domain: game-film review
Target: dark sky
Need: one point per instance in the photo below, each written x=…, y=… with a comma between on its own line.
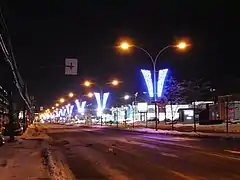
x=44, y=33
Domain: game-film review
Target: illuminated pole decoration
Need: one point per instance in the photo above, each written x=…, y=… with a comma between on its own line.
x=101, y=99
x=162, y=74
x=69, y=109
x=148, y=80
x=56, y=112
x=180, y=45
x=62, y=112
x=80, y=108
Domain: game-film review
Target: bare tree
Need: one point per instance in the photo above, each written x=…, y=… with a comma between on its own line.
x=195, y=90
x=173, y=93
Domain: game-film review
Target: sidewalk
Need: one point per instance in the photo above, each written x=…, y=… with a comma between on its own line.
x=177, y=133
x=23, y=159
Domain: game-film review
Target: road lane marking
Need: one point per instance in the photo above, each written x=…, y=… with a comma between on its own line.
x=182, y=175
x=220, y=155
x=232, y=151
x=169, y=155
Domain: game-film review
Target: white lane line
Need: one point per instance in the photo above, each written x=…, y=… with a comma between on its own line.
x=220, y=156
x=232, y=151
x=181, y=175
x=169, y=155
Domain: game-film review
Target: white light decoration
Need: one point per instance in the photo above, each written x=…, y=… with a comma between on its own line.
x=161, y=79
x=69, y=109
x=57, y=114
x=101, y=102
x=148, y=80
x=62, y=112
x=80, y=108
x=105, y=98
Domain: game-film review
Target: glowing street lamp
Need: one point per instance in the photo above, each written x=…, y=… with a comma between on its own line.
x=124, y=45
x=70, y=95
x=115, y=82
x=90, y=95
x=53, y=107
x=56, y=104
x=126, y=97
x=62, y=100
x=182, y=45
x=87, y=83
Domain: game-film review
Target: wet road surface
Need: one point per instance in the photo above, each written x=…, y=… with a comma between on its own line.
x=98, y=154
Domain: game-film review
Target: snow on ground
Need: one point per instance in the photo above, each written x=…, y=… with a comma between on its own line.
x=221, y=128
x=22, y=160
x=31, y=157
x=174, y=132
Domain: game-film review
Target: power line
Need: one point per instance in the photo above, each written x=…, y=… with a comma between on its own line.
x=10, y=58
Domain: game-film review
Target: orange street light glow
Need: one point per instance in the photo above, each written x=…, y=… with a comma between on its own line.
x=87, y=83
x=70, y=94
x=56, y=104
x=124, y=45
x=115, y=82
x=182, y=45
x=62, y=100
x=90, y=95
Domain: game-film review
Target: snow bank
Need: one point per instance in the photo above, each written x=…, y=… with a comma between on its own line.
x=22, y=160
x=32, y=157
x=177, y=133
x=53, y=159
x=56, y=165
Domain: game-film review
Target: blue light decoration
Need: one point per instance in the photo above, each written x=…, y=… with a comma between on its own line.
x=148, y=80
x=57, y=113
x=162, y=74
x=101, y=102
x=80, y=108
x=105, y=98
x=160, y=83
x=69, y=109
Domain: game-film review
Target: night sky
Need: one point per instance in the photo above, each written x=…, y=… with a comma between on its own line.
x=43, y=34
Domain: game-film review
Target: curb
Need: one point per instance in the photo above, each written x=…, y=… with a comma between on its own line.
x=227, y=137
x=54, y=161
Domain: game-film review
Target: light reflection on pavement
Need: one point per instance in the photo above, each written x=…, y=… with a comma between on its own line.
x=94, y=153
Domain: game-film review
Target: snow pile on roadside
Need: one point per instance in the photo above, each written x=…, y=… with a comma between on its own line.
x=52, y=159
x=175, y=133
x=219, y=128
x=192, y=134
x=57, y=168
x=22, y=160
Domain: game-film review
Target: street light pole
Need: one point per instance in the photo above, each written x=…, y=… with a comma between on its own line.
x=154, y=62
x=181, y=45
x=88, y=83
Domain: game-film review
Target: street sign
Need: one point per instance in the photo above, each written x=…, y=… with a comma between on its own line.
x=71, y=66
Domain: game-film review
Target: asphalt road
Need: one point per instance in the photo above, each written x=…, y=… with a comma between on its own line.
x=100, y=154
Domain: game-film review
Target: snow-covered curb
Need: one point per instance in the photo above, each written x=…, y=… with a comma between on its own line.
x=52, y=160
x=176, y=133
x=57, y=168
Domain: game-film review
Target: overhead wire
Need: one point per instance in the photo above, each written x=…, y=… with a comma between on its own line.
x=10, y=58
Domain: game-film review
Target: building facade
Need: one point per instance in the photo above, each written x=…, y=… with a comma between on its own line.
x=4, y=106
